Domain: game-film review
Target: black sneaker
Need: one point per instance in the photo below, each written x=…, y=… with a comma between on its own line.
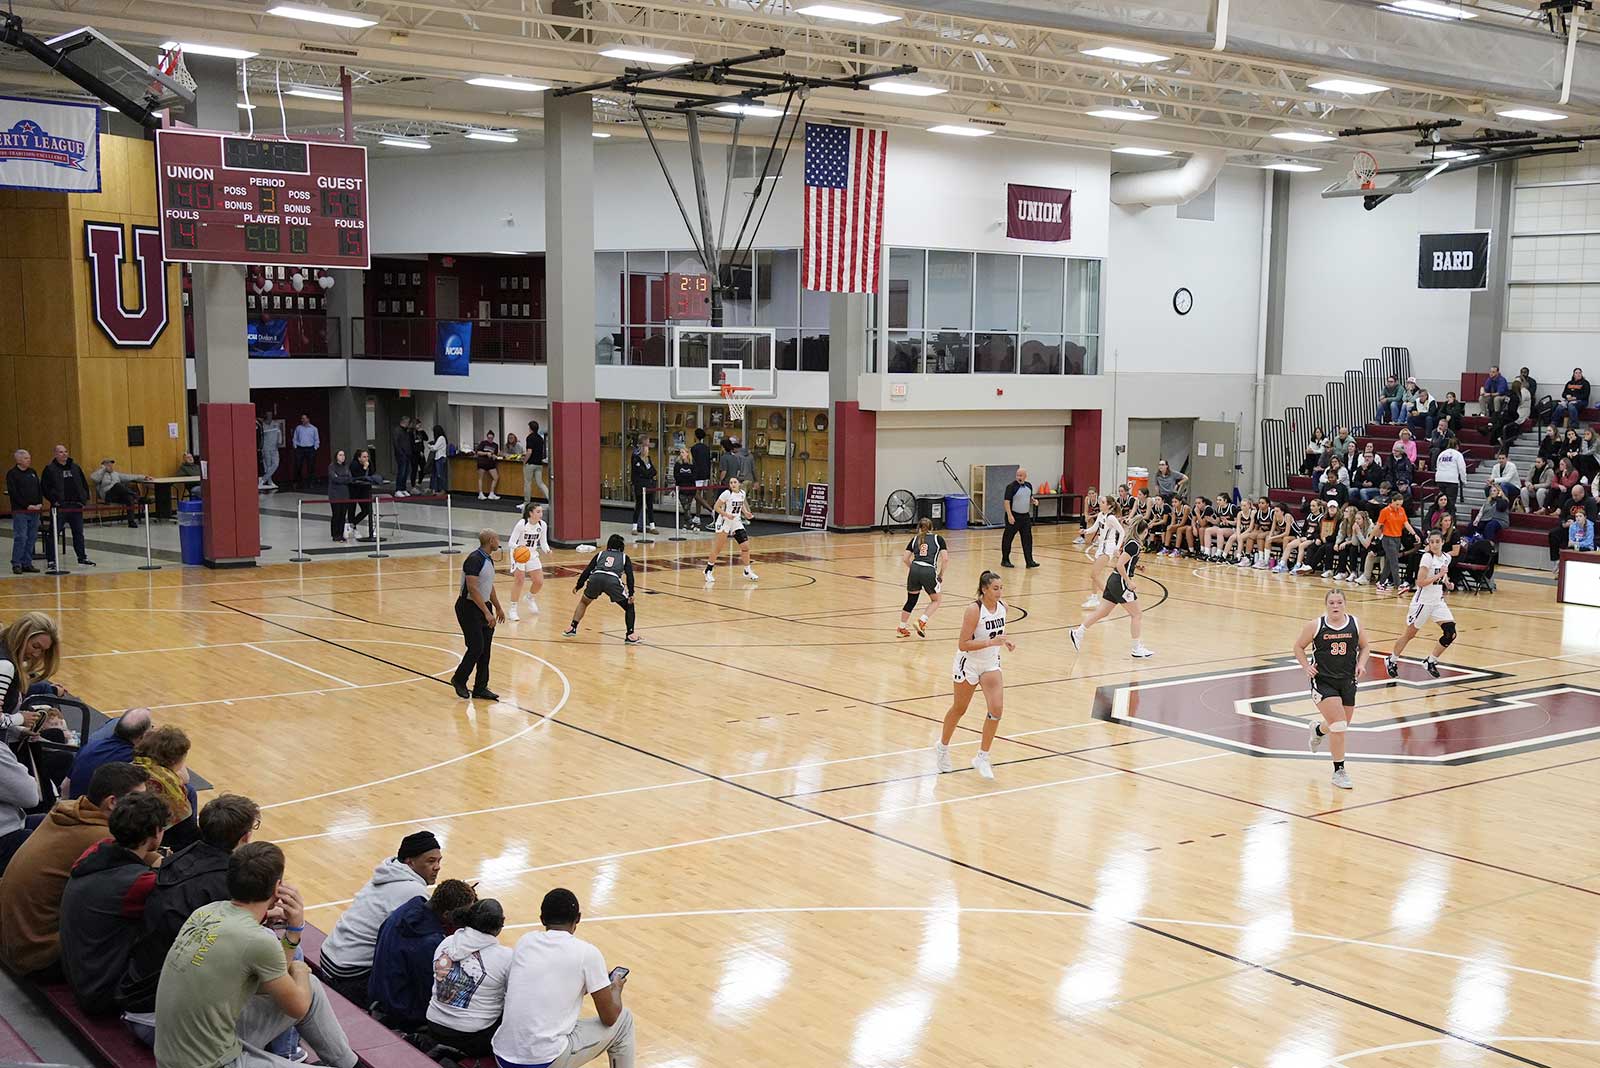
x=1007, y=563
x=30, y=570
x=462, y=691
x=572, y=631
x=486, y=695
x=15, y=570
x=1432, y=665
x=87, y=563
x=1032, y=564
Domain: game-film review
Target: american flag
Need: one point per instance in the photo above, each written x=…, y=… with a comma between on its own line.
x=844, y=208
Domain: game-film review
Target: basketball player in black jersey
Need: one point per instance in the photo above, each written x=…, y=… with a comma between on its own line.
x=1119, y=592
x=1337, y=661
x=925, y=559
x=609, y=574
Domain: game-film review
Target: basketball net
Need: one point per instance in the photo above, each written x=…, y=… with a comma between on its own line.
x=1364, y=170
x=170, y=63
x=736, y=404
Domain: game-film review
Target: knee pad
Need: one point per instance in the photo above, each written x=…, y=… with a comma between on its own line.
x=1338, y=726
x=911, y=601
x=993, y=715
x=1449, y=636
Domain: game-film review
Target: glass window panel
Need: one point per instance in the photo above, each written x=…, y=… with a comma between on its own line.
x=778, y=302
x=683, y=261
x=1083, y=355
x=608, y=345
x=905, y=354
x=950, y=291
x=995, y=354
x=814, y=309
x=907, y=287
x=949, y=353
x=608, y=271
x=1083, y=296
x=788, y=350
x=1043, y=282
x=997, y=292
x=1041, y=354
x=739, y=296
x=814, y=350
x=646, y=346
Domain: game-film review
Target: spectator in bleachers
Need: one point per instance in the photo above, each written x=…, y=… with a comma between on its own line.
x=1350, y=544
x=1536, y=491
x=30, y=649
x=347, y=953
x=1495, y=393
x=1391, y=401
x=1587, y=462
x=1408, y=443
x=113, y=741
x=191, y=877
x=1423, y=415
x=30, y=890
x=1450, y=470
x=1562, y=486
x=1440, y=506
x=26, y=497
x=164, y=753
x=1366, y=475
x=469, y=981
x=1572, y=448
x=1314, y=450
x=402, y=961
x=1401, y=470
x=1502, y=474
x=1580, y=532
x=1550, y=446
x=1442, y=433
x=1342, y=440
x=1574, y=399
x=1580, y=503
x=1351, y=453
x=1495, y=514
x=207, y=1009
x=102, y=907
x=1453, y=409
x=1533, y=383
x=117, y=488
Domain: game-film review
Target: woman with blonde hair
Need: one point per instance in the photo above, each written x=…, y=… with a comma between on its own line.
x=29, y=653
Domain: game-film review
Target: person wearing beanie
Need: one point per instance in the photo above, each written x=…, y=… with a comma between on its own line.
x=402, y=962
x=347, y=953
x=469, y=980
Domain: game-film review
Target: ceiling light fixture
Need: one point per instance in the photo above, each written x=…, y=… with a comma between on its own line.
x=755, y=111
x=599, y=135
x=847, y=14
x=1348, y=86
x=406, y=142
x=311, y=92
x=1310, y=137
x=491, y=135
x=960, y=131
x=514, y=84
x=242, y=106
x=1124, y=55
x=1432, y=9
x=1126, y=113
x=218, y=51
x=1450, y=153
x=905, y=88
x=322, y=15
x=644, y=55
x=1138, y=150
x=1530, y=114
x=1292, y=168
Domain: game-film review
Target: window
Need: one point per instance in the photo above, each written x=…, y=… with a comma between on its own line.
x=1553, y=274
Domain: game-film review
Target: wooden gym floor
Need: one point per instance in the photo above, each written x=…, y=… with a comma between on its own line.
x=746, y=807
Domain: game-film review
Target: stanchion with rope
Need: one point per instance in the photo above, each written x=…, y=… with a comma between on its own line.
x=377, y=552
x=642, y=535
x=149, y=561
x=449, y=528
x=299, y=556
x=677, y=516
x=54, y=562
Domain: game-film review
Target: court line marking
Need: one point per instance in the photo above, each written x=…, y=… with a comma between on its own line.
x=903, y=752
x=1343, y=1058
x=957, y=910
x=302, y=667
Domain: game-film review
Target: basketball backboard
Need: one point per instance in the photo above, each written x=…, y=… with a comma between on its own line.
x=121, y=69
x=704, y=358
x=1384, y=183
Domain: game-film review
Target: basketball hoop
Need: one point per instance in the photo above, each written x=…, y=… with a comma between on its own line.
x=735, y=404
x=170, y=63
x=1364, y=170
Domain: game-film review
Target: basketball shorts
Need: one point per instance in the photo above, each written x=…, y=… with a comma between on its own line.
x=1343, y=689
x=740, y=535
x=922, y=580
x=1422, y=613
x=533, y=564
x=970, y=667
x=1116, y=592
x=604, y=584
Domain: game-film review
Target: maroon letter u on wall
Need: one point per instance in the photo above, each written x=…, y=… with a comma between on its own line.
x=140, y=327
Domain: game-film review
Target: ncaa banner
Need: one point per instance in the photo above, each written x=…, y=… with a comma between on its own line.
x=48, y=145
x=453, y=356
x=1038, y=213
x=1454, y=261
x=268, y=338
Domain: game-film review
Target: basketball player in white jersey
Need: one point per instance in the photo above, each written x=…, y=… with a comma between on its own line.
x=925, y=558
x=1119, y=591
x=529, y=533
x=732, y=512
x=977, y=667
x=1427, y=606
x=1106, y=538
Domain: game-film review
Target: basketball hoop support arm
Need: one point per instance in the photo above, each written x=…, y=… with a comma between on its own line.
x=12, y=33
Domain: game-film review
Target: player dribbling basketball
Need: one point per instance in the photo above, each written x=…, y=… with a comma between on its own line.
x=1337, y=661
x=1119, y=592
x=732, y=513
x=925, y=559
x=1427, y=605
x=528, y=539
x=977, y=667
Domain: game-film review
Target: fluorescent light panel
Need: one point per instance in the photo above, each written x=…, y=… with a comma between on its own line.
x=599, y=135
x=1292, y=168
x=1138, y=150
x=1126, y=114
x=960, y=131
x=759, y=111
x=1530, y=114
x=322, y=15
x=1348, y=86
x=219, y=51
x=847, y=14
x=313, y=93
x=1124, y=55
x=515, y=84
x=905, y=88
x=1433, y=8
x=644, y=55
x=490, y=135
x=405, y=142
x=1311, y=137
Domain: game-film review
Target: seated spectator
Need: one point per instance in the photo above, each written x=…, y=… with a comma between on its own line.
x=1314, y=450
x=1342, y=440
x=1438, y=508
x=1580, y=503
x=1367, y=476
x=1587, y=463
x=1391, y=401
x=191, y=877
x=1550, y=446
x=30, y=890
x=1424, y=414
x=1502, y=474
x=164, y=753
x=1401, y=471
x=102, y=908
x=551, y=971
x=1572, y=447
x=402, y=961
x=207, y=1011
x=117, y=488
x=1574, y=399
x=189, y=467
x=1533, y=383
x=1452, y=409
x=1409, y=444
x=469, y=980
x=1495, y=515
x=347, y=953
x=29, y=650
x=1536, y=487
x=1351, y=452
x=1562, y=486
x=1495, y=392
x=113, y=741
x=1580, y=532
x=1351, y=544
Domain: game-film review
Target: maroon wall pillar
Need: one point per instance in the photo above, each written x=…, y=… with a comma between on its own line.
x=1080, y=462
x=232, y=506
x=855, y=467
x=575, y=472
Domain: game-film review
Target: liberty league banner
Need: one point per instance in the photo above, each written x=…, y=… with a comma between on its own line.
x=1454, y=261
x=1038, y=213
x=49, y=145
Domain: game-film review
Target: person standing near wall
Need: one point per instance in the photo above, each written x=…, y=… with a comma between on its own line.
x=271, y=444
x=306, y=442
x=27, y=506
x=401, y=442
x=533, y=465
x=1018, y=502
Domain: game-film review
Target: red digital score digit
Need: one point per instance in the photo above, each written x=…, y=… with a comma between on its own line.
x=688, y=296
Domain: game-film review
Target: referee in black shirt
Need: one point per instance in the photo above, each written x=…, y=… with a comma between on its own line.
x=478, y=610
x=1018, y=501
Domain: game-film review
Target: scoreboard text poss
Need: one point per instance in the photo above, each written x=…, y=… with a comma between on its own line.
x=227, y=199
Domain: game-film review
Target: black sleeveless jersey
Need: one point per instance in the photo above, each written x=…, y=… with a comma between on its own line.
x=611, y=561
x=1131, y=548
x=1334, y=651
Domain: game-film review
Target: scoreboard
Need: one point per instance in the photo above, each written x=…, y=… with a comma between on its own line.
x=235, y=199
x=688, y=297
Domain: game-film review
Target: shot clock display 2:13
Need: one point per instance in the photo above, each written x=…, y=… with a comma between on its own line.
x=688, y=297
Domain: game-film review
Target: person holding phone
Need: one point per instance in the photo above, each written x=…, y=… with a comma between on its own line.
x=551, y=971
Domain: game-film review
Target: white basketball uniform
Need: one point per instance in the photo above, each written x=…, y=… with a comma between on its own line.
x=969, y=667
x=732, y=503
x=1112, y=535
x=1427, y=604
x=531, y=534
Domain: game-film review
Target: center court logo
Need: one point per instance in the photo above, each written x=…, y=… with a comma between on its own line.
x=28, y=141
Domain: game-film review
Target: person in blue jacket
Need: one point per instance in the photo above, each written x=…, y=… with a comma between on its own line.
x=402, y=965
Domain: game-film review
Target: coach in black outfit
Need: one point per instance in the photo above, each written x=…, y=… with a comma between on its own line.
x=1019, y=519
x=478, y=610
x=700, y=456
x=65, y=487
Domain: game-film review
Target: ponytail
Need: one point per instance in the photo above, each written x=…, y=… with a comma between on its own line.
x=924, y=525
x=485, y=916
x=984, y=581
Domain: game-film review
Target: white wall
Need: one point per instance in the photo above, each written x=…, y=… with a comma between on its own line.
x=1153, y=253
x=911, y=443
x=1550, y=355
x=1351, y=285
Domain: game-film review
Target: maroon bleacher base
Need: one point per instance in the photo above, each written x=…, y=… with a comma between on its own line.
x=1080, y=461
x=575, y=472
x=231, y=502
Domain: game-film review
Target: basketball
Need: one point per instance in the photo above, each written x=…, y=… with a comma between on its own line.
x=522, y=554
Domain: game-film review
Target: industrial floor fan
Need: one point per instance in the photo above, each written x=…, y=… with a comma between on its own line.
x=899, y=510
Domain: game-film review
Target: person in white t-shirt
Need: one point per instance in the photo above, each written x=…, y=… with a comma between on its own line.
x=551, y=971
x=732, y=511
x=1427, y=605
x=469, y=979
x=532, y=534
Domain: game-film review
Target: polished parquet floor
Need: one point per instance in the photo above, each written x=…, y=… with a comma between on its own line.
x=746, y=807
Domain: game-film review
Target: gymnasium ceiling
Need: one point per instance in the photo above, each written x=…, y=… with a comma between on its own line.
x=1018, y=69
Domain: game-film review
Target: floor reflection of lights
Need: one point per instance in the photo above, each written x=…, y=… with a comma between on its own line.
x=889, y=1033
x=1420, y=902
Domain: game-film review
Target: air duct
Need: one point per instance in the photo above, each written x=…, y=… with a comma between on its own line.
x=1179, y=185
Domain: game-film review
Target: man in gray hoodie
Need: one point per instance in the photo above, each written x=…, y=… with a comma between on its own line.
x=347, y=953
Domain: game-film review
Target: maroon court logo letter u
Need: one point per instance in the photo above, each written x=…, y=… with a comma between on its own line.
x=130, y=324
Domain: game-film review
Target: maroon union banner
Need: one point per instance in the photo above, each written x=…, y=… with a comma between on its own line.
x=1038, y=213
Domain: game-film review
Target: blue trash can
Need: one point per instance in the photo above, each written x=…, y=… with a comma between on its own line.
x=955, y=513
x=192, y=531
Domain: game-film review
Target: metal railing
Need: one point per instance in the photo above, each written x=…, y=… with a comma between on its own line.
x=306, y=336
x=417, y=338
x=1351, y=402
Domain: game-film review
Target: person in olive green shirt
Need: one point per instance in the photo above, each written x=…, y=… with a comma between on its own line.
x=230, y=986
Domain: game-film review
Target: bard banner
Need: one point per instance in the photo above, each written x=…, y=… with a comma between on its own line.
x=1453, y=261
x=453, y=356
x=268, y=337
x=1038, y=213
x=46, y=145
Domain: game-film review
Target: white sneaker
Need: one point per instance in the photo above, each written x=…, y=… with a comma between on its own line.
x=1244, y=561
x=1361, y=581
x=494, y=496
x=483, y=496
x=636, y=528
x=1341, y=779
x=1325, y=574
x=1280, y=569
x=654, y=529
x=751, y=575
x=941, y=758
x=1139, y=651
x=981, y=764
x=1316, y=739
x=511, y=613
x=1307, y=567
x=1093, y=602
x=711, y=576
x=533, y=606
x=1076, y=634
x=401, y=493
